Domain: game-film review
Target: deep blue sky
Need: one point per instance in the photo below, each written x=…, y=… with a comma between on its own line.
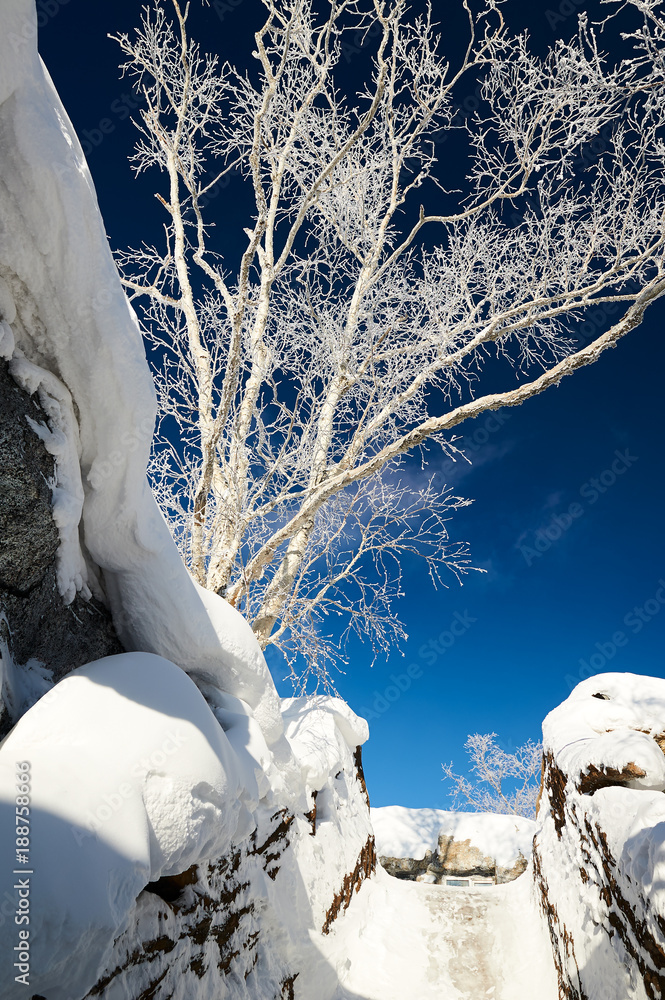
x=538, y=619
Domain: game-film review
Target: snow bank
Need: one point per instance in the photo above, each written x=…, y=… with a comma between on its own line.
x=64, y=312
x=600, y=857
x=410, y=833
x=131, y=778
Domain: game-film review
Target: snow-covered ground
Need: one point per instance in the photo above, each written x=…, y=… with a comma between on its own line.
x=423, y=942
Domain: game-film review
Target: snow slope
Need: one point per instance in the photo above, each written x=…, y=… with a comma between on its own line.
x=410, y=833
x=73, y=336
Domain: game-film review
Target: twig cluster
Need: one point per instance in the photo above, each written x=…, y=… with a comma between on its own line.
x=354, y=324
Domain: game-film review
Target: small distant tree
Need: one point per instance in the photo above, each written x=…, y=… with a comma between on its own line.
x=501, y=782
x=346, y=324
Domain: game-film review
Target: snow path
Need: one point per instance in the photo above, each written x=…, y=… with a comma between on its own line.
x=464, y=921
x=427, y=942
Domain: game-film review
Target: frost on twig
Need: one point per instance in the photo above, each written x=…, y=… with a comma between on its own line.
x=350, y=321
x=501, y=782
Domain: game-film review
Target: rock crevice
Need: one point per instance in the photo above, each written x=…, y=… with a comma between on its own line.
x=36, y=626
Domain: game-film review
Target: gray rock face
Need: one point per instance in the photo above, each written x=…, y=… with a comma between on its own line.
x=452, y=859
x=35, y=624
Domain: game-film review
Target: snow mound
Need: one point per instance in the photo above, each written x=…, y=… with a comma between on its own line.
x=409, y=833
x=609, y=721
x=132, y=778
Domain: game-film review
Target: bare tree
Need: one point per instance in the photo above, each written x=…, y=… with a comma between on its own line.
x=354, y=325
x=494, y=769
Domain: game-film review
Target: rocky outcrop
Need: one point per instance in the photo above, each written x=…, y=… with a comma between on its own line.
x=452, y=859
x=214, y=929
x=364, y=868
x=36, y=627
x=203, y=927
x=434, y=845
x=598, y=861
x=202, y=876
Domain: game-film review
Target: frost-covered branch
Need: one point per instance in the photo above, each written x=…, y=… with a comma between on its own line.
x=298, y=361
x=502, y=782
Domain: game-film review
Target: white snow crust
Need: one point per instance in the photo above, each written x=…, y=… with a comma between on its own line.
x=323, y=733
x=409, y=833
x=321, y=730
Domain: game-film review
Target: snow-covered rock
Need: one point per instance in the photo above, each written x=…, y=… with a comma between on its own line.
x=258, y=920
x=321, y=730
x=410, y=833
x=326, y=737
x=131, y=778
x=600, y=857
x=431, y=844
x=75, y=337
x=41, y=638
